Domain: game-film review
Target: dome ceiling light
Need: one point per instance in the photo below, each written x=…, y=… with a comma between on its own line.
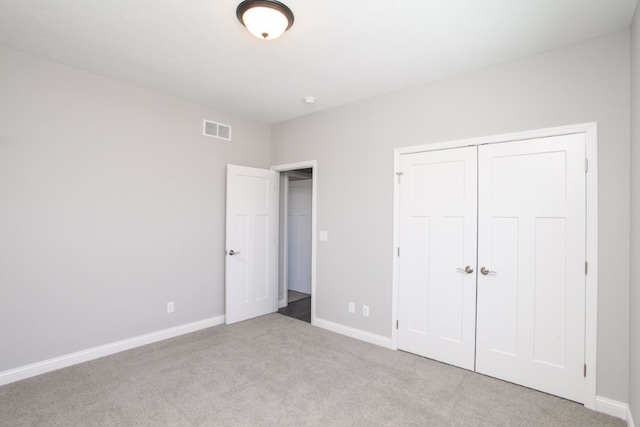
x=265, y=19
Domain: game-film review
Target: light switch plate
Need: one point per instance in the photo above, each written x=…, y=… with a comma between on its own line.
x=324, y=235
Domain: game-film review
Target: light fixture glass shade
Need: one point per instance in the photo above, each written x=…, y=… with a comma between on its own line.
x=265, y=19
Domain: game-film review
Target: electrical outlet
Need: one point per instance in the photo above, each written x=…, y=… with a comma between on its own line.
x=365, y=310
x=352, y=308
x=170, y=307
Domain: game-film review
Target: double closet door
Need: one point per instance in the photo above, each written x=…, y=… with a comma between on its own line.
x=492, y=264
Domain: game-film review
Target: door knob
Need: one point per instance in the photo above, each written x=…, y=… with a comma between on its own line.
x=467, y=269
x=232, y=252
x=485, y=271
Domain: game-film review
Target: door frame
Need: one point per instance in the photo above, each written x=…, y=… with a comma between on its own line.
x=281, y=169
x=590, y=131
x=283, y=236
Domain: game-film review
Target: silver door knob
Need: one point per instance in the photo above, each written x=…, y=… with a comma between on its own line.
x=485, y=271
x=467, y=269
x=232, y=252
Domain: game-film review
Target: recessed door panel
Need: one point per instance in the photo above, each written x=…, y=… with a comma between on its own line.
x=452, y=297
x=517, y=178
x=550, y=290
x=417, y=285
x=503, y=308
x=239, y=294
x=260, y=273
x=427, y=179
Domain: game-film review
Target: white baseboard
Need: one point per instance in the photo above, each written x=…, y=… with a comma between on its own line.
x=611, y=407
x=45, y=366
x=282, y=303
x=353, y=333
x=629, y=418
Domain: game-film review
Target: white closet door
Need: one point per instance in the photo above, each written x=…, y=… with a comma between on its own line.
x=531, y=306
x=437, y=242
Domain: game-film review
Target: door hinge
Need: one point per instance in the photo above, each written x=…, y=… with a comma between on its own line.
x=585, y=370
x=397, y=324
x=586, y=165
x=586, y=267
x=398, y=174
x=398, y=250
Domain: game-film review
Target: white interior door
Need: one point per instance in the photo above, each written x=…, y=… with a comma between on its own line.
x=437, y=277
x=531, y=306
x=251, y=271
x=299, y=236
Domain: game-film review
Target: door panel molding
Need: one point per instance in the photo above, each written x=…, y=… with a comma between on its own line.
x=589, y=130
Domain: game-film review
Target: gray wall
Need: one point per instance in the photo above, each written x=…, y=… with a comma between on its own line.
x=353, y=144
x=634, y=374
x=111, y=204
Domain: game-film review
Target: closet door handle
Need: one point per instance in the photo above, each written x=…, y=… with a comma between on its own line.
x=485, y=271
x=232, y=252
x=467, y=269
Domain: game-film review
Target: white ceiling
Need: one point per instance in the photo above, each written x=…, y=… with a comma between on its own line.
x=339, y=51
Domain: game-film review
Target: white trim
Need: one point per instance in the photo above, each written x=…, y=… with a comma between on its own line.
x=355, y=333
x=283, y=212
x=56, y=363
x=591, y=302
x=505, y=137
x=629, y=418
x=591, y=321
x=313, y=164
x=611, y=407
x=395, y=268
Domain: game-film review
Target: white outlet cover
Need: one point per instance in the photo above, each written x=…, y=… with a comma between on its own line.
x=324, y=235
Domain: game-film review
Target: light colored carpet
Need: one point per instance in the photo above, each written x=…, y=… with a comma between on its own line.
x=274, y=370
x=293, y=296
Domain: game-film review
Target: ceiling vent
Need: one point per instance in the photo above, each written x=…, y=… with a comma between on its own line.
x=216, y=130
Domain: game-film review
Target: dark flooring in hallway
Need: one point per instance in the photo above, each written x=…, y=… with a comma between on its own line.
x=300, y=310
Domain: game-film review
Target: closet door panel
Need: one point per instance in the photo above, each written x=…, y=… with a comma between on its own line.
x=438, y=216
x=531, y=243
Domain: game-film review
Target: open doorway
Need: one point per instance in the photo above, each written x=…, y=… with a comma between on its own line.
x=296, y=284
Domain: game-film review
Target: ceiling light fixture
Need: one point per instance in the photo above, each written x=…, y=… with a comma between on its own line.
x=265, y=19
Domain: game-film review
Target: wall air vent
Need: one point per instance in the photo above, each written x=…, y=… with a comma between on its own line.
x=216, y=130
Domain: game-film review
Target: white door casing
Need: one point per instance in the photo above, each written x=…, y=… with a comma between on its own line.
x=437, y=280
x=531, y=235
x=251, y=271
